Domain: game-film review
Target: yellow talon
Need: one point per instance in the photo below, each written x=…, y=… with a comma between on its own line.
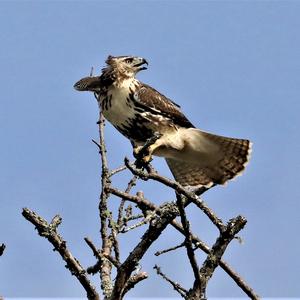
x=147, y=158
x=136, y=151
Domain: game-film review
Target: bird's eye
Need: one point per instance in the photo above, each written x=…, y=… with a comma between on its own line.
x=128, y=60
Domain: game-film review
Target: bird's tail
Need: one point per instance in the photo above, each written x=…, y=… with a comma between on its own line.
x=90, y=83
x=208, y=159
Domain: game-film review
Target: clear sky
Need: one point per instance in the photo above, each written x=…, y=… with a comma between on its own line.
x=233, y=66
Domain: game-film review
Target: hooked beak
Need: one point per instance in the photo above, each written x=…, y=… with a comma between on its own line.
x=140, y=64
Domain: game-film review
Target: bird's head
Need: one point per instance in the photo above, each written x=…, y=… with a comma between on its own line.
x=126, y=65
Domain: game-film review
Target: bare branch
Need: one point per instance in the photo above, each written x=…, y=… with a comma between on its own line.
x=93, y=247
x=105, y=271
x=156, y=227
x=92, y=71
x=188, y=239
x=116, y=171
x=146, y=220
x=214, y=257
x=2, y=248
x=147, y=205
x=234, y=275
x=141, y=202
x=133, y=280
x=49, y=232
x=130, y=185
x=133, y=217
x=177, y=287
x=157, y=253
x=98, y=254
x=191, y=197
x=95, y=268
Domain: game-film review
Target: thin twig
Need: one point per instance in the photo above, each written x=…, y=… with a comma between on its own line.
x=99, y=255
x=130, y=185
x=188, y=239
x=114, y=237
x=2, y=248
x=141, y=202
x=133, y=280
x=49, y=232
x=132, y=217
x=157, y=253
x=93, y=247
x=95, y=268
x=177, y=287
x=116, y=171
x=146, y=220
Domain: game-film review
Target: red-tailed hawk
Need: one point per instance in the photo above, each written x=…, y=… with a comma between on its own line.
x=196, y=158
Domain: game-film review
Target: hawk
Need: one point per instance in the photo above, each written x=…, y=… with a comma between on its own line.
x=196, y=158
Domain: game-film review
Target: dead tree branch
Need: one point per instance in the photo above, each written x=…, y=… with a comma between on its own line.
x=49, y=231
x=188, y=239
x=146, y=205
x=2, y=248
x=180, y=190
x=157, y=253
x=214, y=257
x=177, y=287
x=106, y=267
x=234, y=275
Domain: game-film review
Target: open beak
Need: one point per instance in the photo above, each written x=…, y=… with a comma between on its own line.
x=143, y=62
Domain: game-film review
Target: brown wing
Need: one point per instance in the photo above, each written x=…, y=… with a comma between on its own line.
x=151, y=100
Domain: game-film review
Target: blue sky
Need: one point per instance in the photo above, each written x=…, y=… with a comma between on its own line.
x=233, y=66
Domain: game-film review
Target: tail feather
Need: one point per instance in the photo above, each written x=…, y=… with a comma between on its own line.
x=90, y=83
x=209, y=159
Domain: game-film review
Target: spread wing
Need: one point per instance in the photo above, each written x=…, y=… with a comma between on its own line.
x=151, y=100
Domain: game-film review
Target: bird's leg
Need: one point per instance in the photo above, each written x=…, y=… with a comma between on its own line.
x=147, y=157
x=144, y=153
x=136, y=151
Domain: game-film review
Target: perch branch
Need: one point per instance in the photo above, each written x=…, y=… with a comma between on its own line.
x=179, y=189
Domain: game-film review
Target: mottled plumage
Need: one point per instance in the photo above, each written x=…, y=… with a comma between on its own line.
x=196, y=158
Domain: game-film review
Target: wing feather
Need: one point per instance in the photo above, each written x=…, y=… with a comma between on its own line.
x=157, y=103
